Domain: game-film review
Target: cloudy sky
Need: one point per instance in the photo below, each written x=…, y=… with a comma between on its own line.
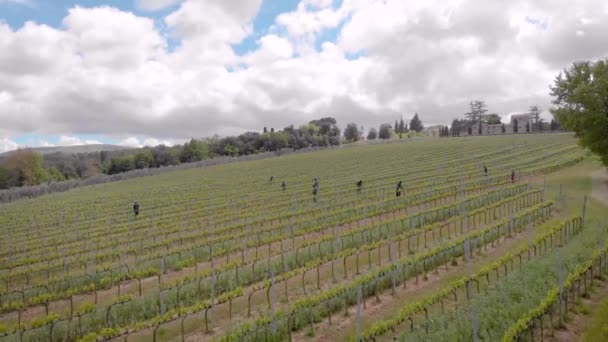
x=138, y=72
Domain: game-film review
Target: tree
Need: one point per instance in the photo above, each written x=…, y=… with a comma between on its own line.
x=385, y=131
x=477, y=112
x=143, y=159
x=3, y=178
x=416, y=124
x=372, y=134
x=55, y=175
x=275, y=141
x=396, y=127
x=535, y=115
x=231, y=150
x=120, y=164
x=25, y=167
x=88, y=168
x=402, y=126
x=265, y=129
x=164, y=156
x=457, y=125
x=193, y=151
x=493, y=119
x=352, y=132
x=527, y=127
x=554, y=125
x=271, y=130
x=581, y=99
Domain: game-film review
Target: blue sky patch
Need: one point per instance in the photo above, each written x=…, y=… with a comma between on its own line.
x=542, y=24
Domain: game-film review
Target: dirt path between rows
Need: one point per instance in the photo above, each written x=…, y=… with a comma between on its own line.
x=342, y=325
x=599, y=187
x=575, y=329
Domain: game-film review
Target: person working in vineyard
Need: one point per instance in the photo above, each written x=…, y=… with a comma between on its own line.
x=315, y=189
x=512, y=176
x=399, y=188
x=136, y=208
x=271, y=179
x=359, y=185
x=283, y=186
x=485, y=170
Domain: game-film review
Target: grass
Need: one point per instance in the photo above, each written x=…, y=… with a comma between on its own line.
x=598, y=327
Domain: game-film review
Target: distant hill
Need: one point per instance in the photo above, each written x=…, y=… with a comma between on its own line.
x=75, y=149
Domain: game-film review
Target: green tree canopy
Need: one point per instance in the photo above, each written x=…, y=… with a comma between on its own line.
x=120, y=164
x=25, y=167
x=352, y=132
x=581, y=99
x=3, y=178
x=372, y=134
x=385, y=131
x=493, y=119
x=416, y=124
x=55, y=175
x=143, y=159
x=477, y=113
x=193, y=151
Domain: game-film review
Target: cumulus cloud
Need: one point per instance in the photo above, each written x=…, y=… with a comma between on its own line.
x=150, y=142
x=110, y=72
x=7, y=145
x=66, y=140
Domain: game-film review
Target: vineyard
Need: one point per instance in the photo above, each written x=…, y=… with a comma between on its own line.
x=226, y=253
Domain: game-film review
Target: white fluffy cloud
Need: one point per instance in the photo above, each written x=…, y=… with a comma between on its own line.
x=136, y=142
x=109, y=72
x=66, y=140
x=7, y=145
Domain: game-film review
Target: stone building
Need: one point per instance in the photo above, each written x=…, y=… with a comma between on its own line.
x=494, y=129
x=433, y=131
x=521, y=122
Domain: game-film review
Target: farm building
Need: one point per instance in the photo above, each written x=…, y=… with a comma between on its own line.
x=520, y=123
x=433, y=131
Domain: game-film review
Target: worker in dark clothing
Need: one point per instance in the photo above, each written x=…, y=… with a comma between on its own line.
x=485, y=170
x=136, y=208
x=512, y=176
x=359, y=185
x=398, y=189
x=271, y=179
x=315, y=189
x=284, y=186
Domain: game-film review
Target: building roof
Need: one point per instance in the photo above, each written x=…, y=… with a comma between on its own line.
x=521, y=116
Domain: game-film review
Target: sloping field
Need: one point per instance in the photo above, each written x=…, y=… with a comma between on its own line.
x=225, y=253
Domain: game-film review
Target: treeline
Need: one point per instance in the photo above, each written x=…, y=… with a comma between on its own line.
x=478, y=115
x=385, y=131
x=26, y=167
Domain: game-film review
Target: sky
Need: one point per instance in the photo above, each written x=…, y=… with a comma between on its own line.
x=146, y=72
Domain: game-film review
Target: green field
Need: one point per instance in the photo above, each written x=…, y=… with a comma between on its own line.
x=223, y=253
